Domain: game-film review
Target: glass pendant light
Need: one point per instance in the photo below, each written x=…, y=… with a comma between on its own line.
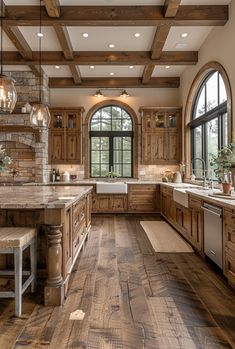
x=40, y=115
x=8, y=95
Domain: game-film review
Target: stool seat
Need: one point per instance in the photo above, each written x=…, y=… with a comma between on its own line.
x=15, y=236
x=14, y=240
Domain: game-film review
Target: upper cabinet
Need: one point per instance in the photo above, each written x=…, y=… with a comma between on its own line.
x=65, y=136
x=161, y=135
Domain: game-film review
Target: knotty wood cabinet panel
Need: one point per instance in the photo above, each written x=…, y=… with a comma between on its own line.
x=196, y=237
x=67, y=242
x=143, y=197
x=229, y=246
x=161, y=135
x=109, y=203
x=65, y=136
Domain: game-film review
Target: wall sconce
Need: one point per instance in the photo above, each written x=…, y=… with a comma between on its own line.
x=98, y=94
x=124, y=94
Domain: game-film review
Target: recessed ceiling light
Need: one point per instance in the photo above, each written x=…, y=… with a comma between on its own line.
x=131, y=67
x=167, y=66
x=57, y=67
x=112, y=73
x=85, y=35
x=92, y=67
x=137, y=35
x=111, y=45
x=40, y=35
x=184, y=35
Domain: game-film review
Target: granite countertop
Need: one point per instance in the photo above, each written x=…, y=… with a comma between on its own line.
x=39, y=197
x=206, y=195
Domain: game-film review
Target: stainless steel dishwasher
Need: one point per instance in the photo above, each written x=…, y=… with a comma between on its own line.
x=213, y=233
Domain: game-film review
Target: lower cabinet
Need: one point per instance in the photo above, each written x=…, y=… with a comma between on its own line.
x=79, y=224
x=196, y=237
x=109, y=203
x=143, y=198
x=229, y=246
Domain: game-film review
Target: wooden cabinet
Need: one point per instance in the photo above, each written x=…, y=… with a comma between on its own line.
x=79, y=224
x=196, y=237
x=109, y=203
x=65, y=136
x=143, y=197
x=229, y=246
x=161, y=135
x=67, y=242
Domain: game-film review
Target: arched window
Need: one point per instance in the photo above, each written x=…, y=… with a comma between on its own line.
x=209, y=124
x=111, y=142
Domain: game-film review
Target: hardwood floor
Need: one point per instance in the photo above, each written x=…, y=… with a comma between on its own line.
x=132, y=299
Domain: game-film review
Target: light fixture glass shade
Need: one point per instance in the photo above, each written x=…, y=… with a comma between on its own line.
x=40, y=116
x=124, y=94
x=8, y=94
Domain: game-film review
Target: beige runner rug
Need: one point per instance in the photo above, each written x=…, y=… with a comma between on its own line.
x=164, y=238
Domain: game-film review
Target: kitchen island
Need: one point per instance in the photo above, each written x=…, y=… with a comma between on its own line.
x=62, y=216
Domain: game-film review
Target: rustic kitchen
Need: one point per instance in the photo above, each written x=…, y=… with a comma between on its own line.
x=117, y=174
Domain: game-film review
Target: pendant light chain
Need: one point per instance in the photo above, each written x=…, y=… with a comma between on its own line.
x=40, y=53
x=1, y=36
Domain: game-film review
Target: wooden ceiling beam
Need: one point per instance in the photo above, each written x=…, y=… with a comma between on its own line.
x=75, y=73
x=17, y=38
x=171, y=8
x=160, y=82
x=193, y=15
x=2, y=9
x=104, y=58
x=147, y=73
x=53, y=8
x=64, y=40
x=159, y=41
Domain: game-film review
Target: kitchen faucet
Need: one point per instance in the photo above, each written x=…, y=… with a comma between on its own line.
x=203, y=169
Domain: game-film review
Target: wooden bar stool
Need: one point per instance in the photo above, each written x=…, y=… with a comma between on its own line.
x=14, y=241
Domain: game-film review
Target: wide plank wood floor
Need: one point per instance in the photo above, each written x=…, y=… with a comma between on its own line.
x=132, y=299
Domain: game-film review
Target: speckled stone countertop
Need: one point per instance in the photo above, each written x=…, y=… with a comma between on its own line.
x=40, y=197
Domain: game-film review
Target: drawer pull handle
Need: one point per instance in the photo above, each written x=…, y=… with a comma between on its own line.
x=212, y=252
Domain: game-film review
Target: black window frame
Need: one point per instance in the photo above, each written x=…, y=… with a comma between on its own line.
x=111, y=135
x=213, y=114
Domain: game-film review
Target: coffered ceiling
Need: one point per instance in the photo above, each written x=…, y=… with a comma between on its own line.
x=156, y=58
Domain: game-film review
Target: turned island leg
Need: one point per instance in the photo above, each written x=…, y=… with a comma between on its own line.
x=54, y=289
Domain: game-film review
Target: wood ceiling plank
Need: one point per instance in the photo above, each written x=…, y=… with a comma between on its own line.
x=75, y=73
x=160, y=82
x=17, y=38
x=147, y=73
x=194, y=15
x=64, y=40
x=171, y=7
x=2, y=9
x=104, y=58
x=53, y=8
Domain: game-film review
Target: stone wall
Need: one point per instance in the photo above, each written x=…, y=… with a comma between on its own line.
x=28, y=87
x=37, y=171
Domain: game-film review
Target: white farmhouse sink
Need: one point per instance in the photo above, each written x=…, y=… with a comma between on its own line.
x=111, y=188
x=181, y=197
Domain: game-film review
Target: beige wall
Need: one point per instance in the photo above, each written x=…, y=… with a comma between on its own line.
x=219, y=46
x=138, y=97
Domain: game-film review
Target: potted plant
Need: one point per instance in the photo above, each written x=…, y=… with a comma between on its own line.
x=5, y=160
x=222, y=164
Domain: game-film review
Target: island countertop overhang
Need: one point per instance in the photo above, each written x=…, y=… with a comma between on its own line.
x=43, y=197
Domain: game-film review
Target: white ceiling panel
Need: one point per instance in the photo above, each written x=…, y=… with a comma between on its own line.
x=174, y=70
x=205, y=2
x=122, y=37
x=7, y=44
x=196, y=37
x=16, y=68
x=21, y=2
x=104, y=71
x=111, y=2
x=53, y=72
x=49, y=40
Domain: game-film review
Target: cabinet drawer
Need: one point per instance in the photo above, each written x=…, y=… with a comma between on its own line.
x=229, y=237
x=141, y=187
x=230, y=267
x=166, y=190
x=195, y=203
x=229, y=218
x=77, y=237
